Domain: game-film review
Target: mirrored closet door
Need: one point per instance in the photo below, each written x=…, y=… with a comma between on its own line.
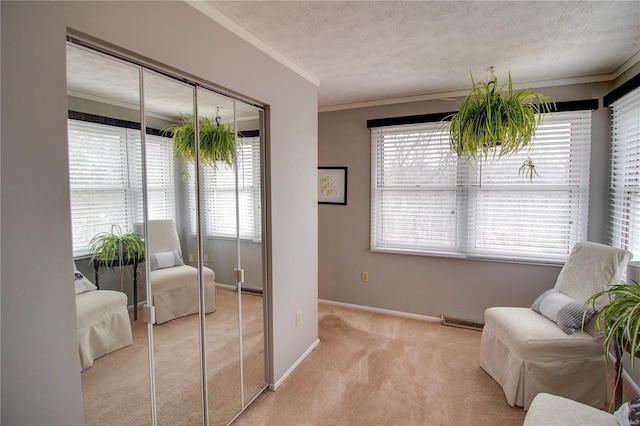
x=191, y=193
x=106, y=192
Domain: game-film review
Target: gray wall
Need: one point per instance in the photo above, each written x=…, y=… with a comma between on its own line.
x=420, y=284
x=40, y=370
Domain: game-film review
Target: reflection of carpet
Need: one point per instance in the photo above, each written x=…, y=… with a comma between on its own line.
x=116, y=388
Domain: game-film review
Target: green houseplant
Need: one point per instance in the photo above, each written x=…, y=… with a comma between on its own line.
x=619, y=320
x=217, y=141
x=492, y=119
x=115, y=248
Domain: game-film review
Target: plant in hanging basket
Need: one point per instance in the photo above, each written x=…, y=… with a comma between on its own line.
x=492, y=118
x=217, y=141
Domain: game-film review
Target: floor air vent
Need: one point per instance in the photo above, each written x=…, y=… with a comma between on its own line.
x=461, y=323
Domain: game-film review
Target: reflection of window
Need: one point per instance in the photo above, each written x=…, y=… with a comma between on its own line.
x=425, y=200
x=624, y=188
x=219, y=194
x=105, y=179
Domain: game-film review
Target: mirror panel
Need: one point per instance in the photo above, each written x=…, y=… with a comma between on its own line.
x=172, y=269
x=216, y=115
x=249, y=146
x=110, y=184
x=105, y=165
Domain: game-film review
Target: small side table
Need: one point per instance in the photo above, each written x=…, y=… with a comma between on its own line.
x=97, y=263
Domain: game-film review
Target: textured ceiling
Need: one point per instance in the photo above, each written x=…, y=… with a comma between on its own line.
x=367, y=51
x=92, y=75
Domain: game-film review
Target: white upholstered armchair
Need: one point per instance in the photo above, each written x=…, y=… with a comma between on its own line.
x=174, y=285
x=528, y=353
x=102, y=321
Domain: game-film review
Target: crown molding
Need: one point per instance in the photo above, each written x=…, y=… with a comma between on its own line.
x=458, y=93
x=236, y=29
x=217, y=16
x=635, y=59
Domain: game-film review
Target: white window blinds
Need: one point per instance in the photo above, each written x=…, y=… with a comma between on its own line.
x=219, y=194
x=624, y=187
x=426, y=200
x=161, y=175
x=415, y=189
x=542, y=218
x=105, y=179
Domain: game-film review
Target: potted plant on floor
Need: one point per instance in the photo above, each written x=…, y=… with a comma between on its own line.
x=492, y=121
x=619, y=320
x=115, y=248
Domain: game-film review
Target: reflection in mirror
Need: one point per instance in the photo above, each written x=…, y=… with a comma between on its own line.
x=171, y=265
x=112, y=190
x=249, y=241
x=216, y=115
x=105, y=182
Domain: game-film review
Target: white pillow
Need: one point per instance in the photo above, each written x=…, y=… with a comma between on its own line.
x=82, y=283
x=565, y=311
x=167, y=259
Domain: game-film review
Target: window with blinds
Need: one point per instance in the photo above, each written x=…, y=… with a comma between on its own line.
x=105, y=179
x=624, y=184
x=425, y=200
x=219, y=195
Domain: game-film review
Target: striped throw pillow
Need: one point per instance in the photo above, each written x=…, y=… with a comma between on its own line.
x=565, y=311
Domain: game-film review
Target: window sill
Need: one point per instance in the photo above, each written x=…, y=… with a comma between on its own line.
x=461, y=256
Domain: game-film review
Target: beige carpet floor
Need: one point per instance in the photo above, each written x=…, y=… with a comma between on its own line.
x=116, y=388
x=375, y=369
x=369, y=369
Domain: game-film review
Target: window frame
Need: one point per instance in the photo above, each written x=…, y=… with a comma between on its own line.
x=133, y=202
x=208, y=180
x=623, y=229
x=466, y=191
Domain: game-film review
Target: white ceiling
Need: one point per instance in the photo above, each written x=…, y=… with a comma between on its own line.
x=363, y=51
x=94, y=76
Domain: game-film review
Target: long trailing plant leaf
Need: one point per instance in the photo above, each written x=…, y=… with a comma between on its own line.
x=619, y=320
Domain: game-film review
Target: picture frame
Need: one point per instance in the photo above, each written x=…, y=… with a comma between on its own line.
x=332, y=185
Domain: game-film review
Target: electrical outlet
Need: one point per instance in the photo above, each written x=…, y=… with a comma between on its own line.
x=298, y=318
x=365, y=277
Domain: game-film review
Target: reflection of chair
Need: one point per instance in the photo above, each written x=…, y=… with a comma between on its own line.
x=526, y=353
x=102, y=321
x=174, y=285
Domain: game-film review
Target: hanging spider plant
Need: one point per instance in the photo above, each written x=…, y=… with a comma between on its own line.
x=217, y=141
x=620, y=318
x=495, y=122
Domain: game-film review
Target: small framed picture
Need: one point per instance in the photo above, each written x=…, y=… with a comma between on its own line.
x=332, y=185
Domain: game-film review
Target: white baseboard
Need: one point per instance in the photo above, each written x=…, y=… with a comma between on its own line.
x=228, y=286
x=140, y=304
x=382, y=311
x=630, y=381
x=277, y=384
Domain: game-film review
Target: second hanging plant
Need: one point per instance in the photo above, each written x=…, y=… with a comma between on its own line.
x=217, y=141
